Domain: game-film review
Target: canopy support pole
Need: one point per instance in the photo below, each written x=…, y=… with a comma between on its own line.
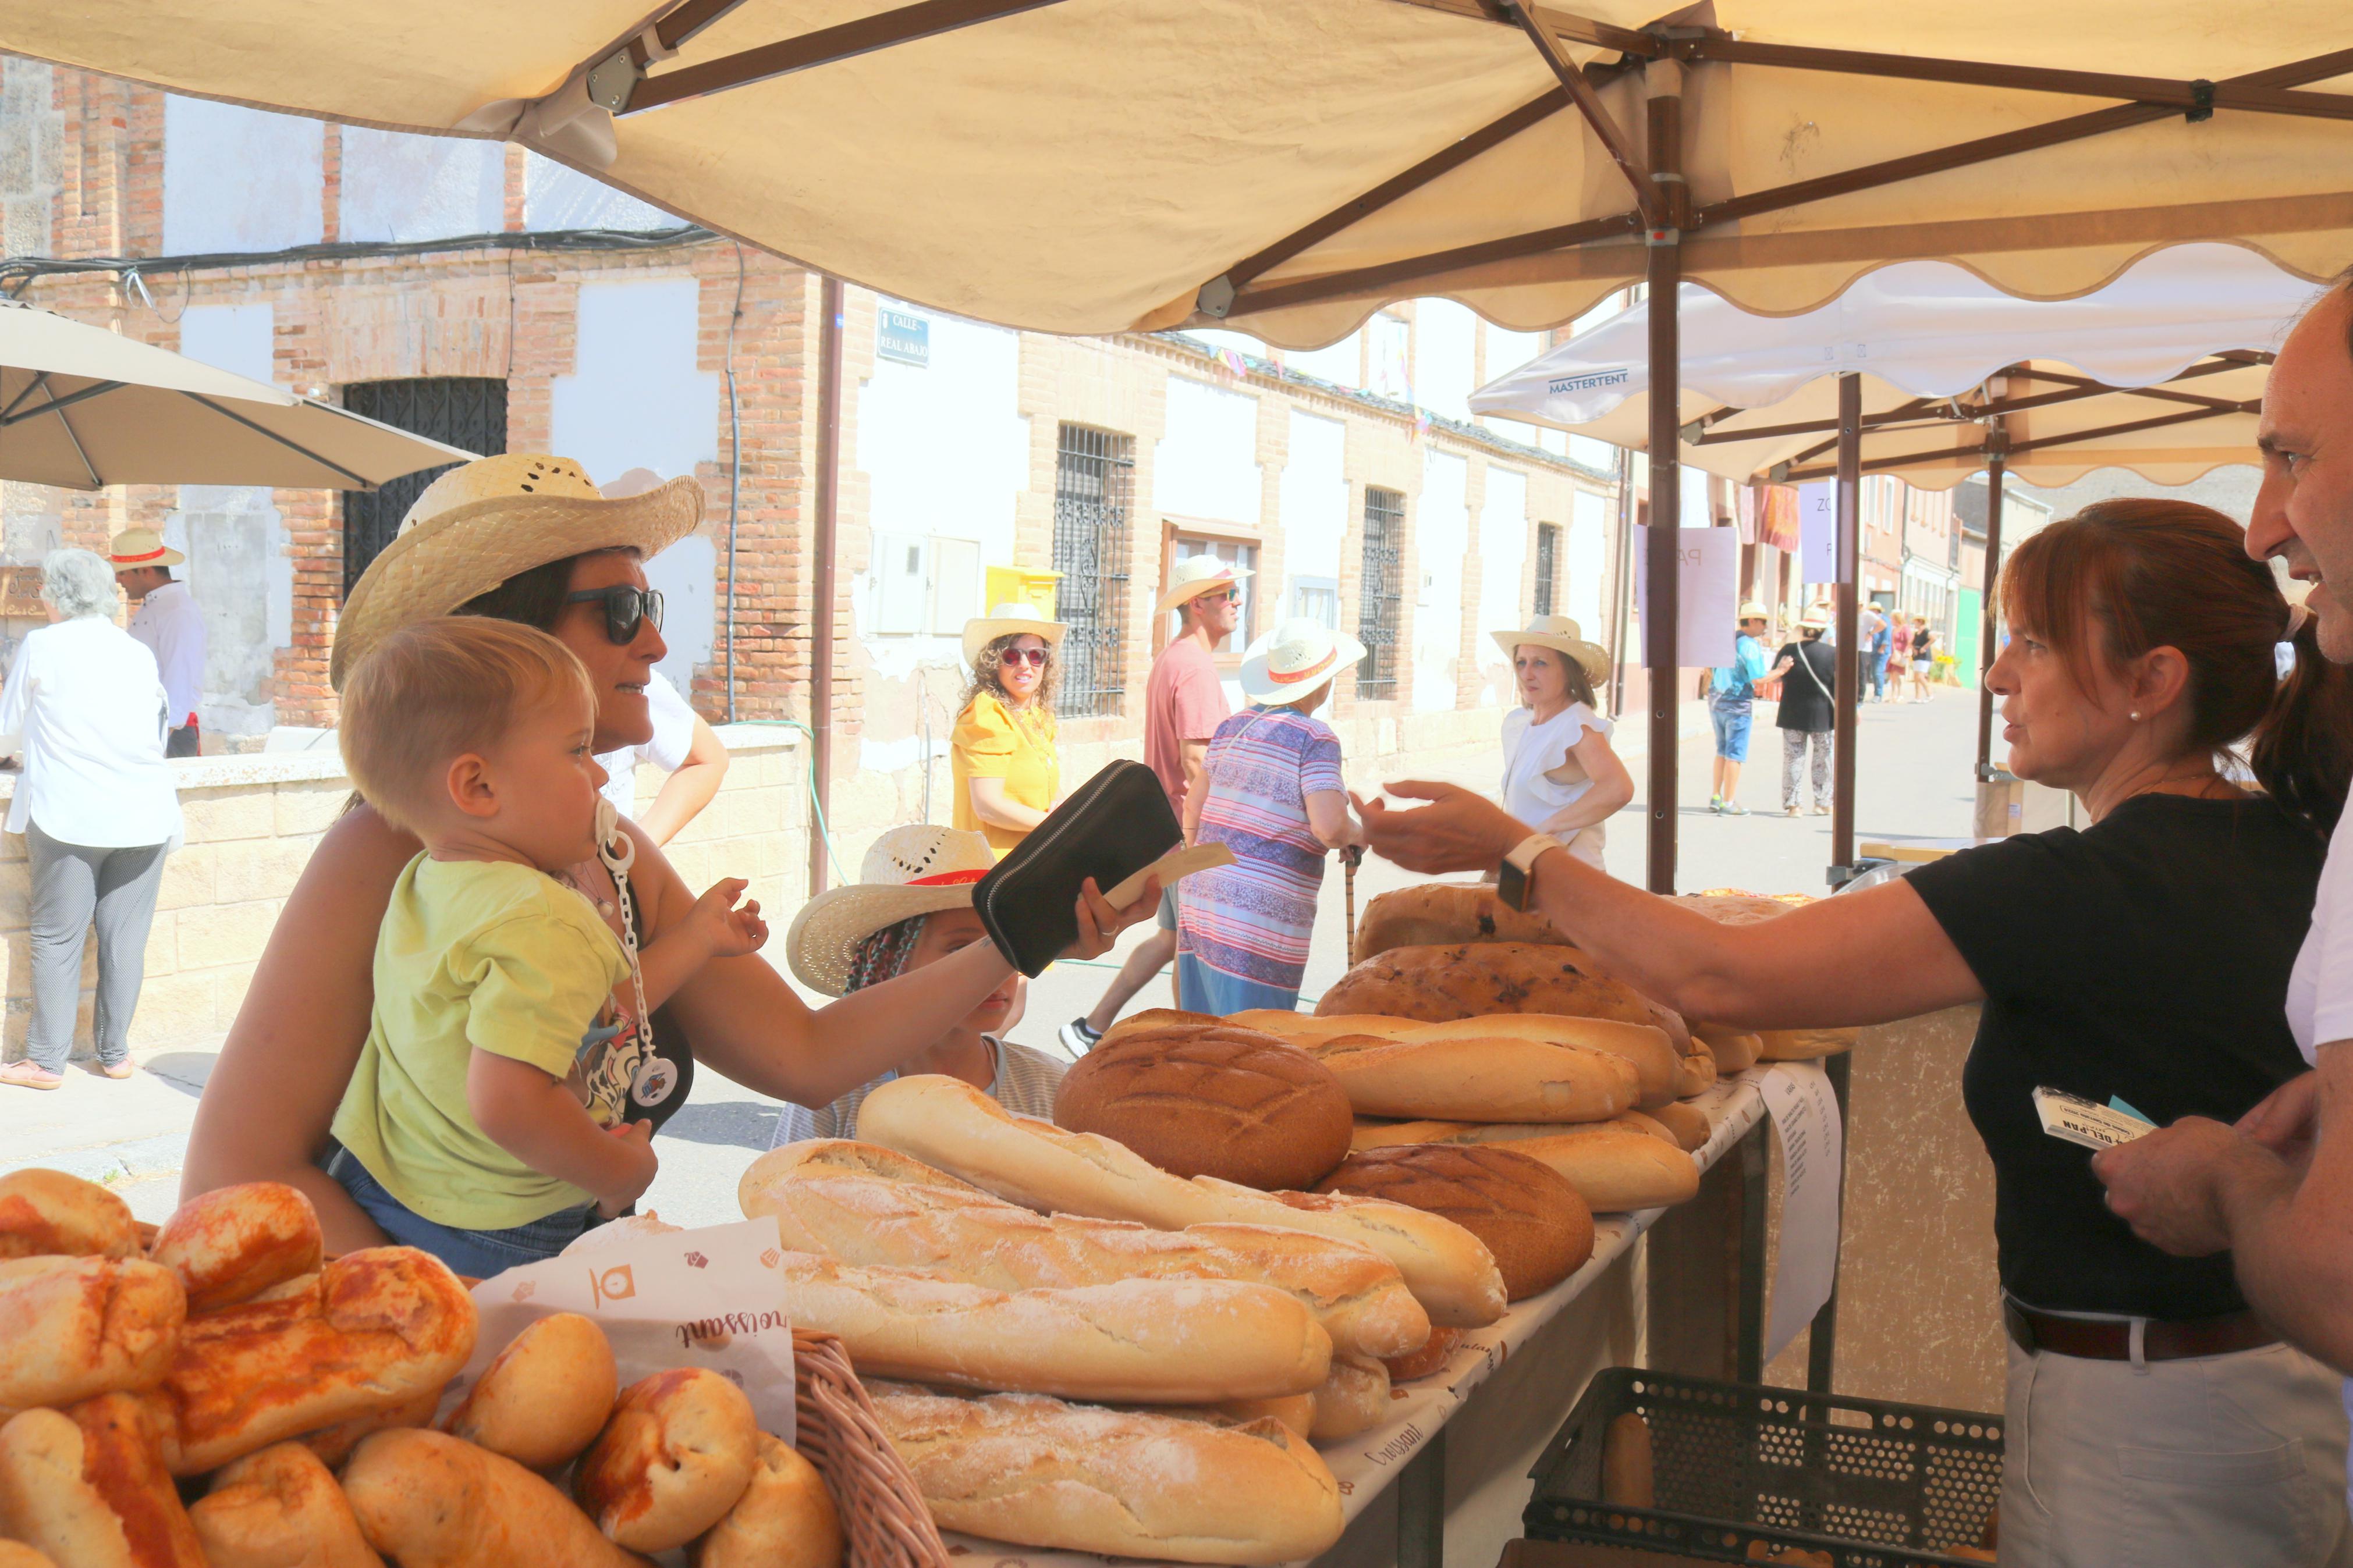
x=1663, y=462
x=1850, y=661
x=821, y=588
x=1995, y=466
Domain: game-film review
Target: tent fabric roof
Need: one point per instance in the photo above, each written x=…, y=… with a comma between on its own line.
x=1090, y=165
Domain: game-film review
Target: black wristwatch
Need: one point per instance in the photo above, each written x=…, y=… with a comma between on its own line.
x=1515, y=876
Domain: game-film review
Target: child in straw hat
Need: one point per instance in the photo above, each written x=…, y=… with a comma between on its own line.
x=478, y=1124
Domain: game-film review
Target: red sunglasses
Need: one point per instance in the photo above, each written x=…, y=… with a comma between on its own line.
x=1036, y=655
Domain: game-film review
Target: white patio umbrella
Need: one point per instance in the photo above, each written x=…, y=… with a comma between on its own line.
x=82, y=408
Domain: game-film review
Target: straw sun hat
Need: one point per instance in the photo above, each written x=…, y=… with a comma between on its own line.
x=916, y=870
x=492, y=519
x=1195, y=575
x=1008, y=620
x=1295, y=659
x=137, y=547
x=1562, y=634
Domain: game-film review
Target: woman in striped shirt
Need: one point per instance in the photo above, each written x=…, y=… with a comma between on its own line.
x=1276, y=799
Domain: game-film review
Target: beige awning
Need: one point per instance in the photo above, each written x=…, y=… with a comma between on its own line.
x=1091, y=165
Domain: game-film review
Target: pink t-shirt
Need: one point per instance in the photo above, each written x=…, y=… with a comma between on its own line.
x=1182, y=701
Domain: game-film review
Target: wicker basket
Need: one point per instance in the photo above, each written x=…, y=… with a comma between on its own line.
x=884, y=1518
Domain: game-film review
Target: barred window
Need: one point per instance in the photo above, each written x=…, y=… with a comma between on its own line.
x=1382, y=595
x=1094, y=486
x=466, y=411
x=1547, y=566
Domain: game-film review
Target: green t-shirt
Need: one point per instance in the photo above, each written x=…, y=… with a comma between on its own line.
x=472, y=955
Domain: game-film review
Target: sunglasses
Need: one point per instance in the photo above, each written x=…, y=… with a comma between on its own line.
x=627, y=608
x=1033, y=655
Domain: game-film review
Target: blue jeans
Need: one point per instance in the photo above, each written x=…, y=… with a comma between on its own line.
x=1203, y=989
x=477, y=1254
x=1730, y=716
x=1879, y=674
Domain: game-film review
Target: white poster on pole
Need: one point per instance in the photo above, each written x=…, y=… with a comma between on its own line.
x=1817, y=532
x=1798, y=1098
x=1707, y=593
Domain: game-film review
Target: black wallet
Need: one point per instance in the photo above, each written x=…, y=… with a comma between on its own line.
x=1114, y=826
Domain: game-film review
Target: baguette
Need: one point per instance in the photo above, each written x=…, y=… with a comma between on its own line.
x=87, y=1487
x=1309, y=1030
x=234, y=1243
x=1481, y=1078
x=785, y=1518
x=1614, y=1165
x=1684, y=1126
x=862, y=1204
x=1431, y=1358
x=1803, y=1045
x=545, y=1396
x=1651, y=1053
x=45, y=1212
x=676, y=1455
x=1354, y=1398
x=947, y=1122
x=280, y=1509
x=426, y=1500
x=73, y=1328
x=1147, y=1342
x=1038, y=1472
x=1296, y=1411
x=1734, y=1048
x=384, y=1327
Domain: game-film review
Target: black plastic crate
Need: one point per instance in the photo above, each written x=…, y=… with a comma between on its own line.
x=1873, y=1484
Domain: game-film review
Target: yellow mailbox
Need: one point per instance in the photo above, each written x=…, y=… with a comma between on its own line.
x=1023, y=586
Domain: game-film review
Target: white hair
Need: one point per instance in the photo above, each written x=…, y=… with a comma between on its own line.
x=78, y=583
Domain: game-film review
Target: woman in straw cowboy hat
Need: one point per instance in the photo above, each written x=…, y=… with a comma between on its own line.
x=1002, y=757
x=1273, y=794
x=1807, y=714
x=1559, y=774
x=530, y=539
x=911, y=909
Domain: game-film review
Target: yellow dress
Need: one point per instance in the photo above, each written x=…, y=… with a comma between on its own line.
x=992, y=742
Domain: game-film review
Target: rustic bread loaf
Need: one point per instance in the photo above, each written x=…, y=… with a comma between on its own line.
x=1040, y=1472
x=426, y=1500
x=1685, y=1126
x=280, y=1509
x=1429, y=1358
x=1439, y=984
x=1649, y=1049
x=785, y=1518
x=1211, y=1101
x=1155, y=1018
x=233, y=1243
x=1441, y=915
x=1734, y=1048
x=1803, y=1045
x=75, y=1327
x=87, y=1487
x=545, y=1396
x=1534, y=1223
x=1614, y=1165
x=1308, y=1030
x=861, y=1203
x=1493, y=1078
x=43, y=1211
x=676, y=1454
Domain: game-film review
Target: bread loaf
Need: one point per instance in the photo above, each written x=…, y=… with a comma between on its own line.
x=545, y=1396
x=334, y=1444
x=85, y=1486
x=234, y=1243
x=1646, y=1049
x=47, y=1211
x=1530, y=1217
x=1354, y=1398
x=1211, y=1101
x=1308, y=1030
x=426, y=1500
x=1615, y=1166
x=1803, y=1045
x=1148, y=1342
x=676, y=1456
x=1296, y=1411
x=1489, y=1078
x=384, y=1327
x=1439, y=984
x=1734, y=1048
x=1685, y=1126
x=947, y=1122
x=75, y=1327
x=1040, y=1472
x=280, y=1509
x=1694, y=1074
x=1428, y=1359
x=1441, y=915
x=862, y=1204
x=785, y=1518
x=1726, y=907
x=17, y=1554
x=1154, y=1019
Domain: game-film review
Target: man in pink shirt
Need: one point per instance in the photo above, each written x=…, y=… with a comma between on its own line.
x=1183, y=703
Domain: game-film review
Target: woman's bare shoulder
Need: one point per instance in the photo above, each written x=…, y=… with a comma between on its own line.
x=360, y=848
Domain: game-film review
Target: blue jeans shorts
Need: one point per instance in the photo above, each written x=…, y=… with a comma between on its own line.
x=1730, y=719
x=479, y=1254
x=1169, y=908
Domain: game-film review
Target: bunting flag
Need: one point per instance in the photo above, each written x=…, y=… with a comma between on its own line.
x=1231, y=362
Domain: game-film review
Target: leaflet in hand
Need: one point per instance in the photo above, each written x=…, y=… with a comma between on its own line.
x=2078, y=1120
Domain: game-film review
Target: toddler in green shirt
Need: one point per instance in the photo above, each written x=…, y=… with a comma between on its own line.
x=465, y=1128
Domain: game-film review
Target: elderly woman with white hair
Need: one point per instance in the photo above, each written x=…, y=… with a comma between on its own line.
x=97, y=807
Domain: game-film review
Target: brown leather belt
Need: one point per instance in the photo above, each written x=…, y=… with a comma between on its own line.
x=2179, y=1340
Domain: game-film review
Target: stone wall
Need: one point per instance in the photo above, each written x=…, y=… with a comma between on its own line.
x=252, y=823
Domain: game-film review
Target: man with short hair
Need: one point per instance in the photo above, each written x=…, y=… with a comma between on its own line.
x=1732, y=707
x=166, y=617
x=1183, y=703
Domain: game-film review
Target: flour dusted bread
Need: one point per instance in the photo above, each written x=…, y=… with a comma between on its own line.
x=947, y=1122
x=545, y=1396
x=1534, y=1223
x=785, y=1518
x=676, y=1454
x=1439, y=984
x=1629, y=1163
x=1210, y=1100
x=1180, y=1342
x=1040, y=1472
x=74, y=1327
x=43, y=1211
x=234, y=1243
x=1441, y=914
x=87, y=1487
x=280, y=1509
x=426, y=1500
x=862, y=1204
x=1354, y=1398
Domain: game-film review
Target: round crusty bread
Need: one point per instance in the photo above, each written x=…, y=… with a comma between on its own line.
x=1153, y=1018
x=233, y=1243
x=1216, y=1102
x=1534, y=1223
x=679, y=1450
x=785, y=1518
x=545, y=1396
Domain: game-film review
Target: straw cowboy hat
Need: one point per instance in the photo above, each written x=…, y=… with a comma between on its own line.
x=490, y=519
x=1562, y=634
x=1750, y=610
x=1195, y=575
x=1296, y=659
x=1008, y=620
x=1815, y=620
x=137, y=547
x=916, y=870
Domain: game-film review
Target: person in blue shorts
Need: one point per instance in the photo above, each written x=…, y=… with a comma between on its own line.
x=1731, y=704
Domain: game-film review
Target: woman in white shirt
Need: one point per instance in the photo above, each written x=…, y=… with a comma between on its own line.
x=1559, y=774
x=685, y=748
x=96, y=805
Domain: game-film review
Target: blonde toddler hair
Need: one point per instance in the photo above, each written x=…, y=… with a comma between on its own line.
x=431, y=692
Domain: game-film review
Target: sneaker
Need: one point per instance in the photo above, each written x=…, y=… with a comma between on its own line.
x=1077, y=1039
x=1734, y=808
x=1715, y=804
x=1789, y=811
x=1821, y=811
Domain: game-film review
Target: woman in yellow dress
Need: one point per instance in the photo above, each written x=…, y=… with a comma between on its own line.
x=1002, y=755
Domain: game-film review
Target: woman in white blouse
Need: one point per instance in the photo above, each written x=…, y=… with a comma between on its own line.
x=96, y=805
x=1559, y=774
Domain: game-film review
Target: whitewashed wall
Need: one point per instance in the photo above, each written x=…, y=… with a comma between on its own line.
x=1586, y=569
x=1503, y=566
x=401, y=187
x=1206, y=465
x=1441, y=538
x=1445, y=357
x=1315, y=501
x=236, y=179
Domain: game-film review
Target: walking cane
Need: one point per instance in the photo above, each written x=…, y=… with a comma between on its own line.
x=1350, y=857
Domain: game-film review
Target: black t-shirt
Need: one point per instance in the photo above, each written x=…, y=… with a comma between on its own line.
x=2145, y=957
x=1924, y=644
x=1804, y=704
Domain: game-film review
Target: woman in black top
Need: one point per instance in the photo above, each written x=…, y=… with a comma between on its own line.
x=2146, y=958
x=1807, y=672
